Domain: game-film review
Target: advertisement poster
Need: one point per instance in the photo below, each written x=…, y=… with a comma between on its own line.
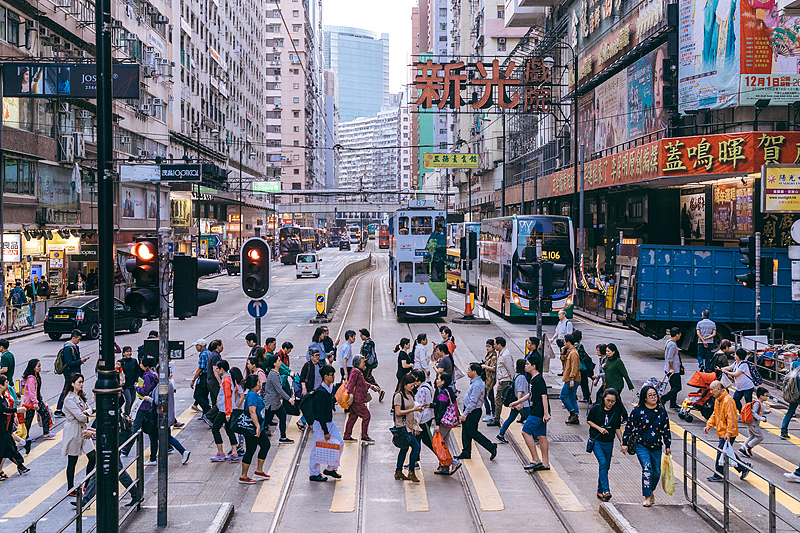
x=12, y=245
x=611, y=112
x=770, y=48
x=56, y=188
x=781, y=190
x=646, y=94
x=732, y=212
x=708, y=54
x=180, y=212
x=693, y=214
x=586, y=122
x=151, y=205
x=66, y=80
x=132, y=203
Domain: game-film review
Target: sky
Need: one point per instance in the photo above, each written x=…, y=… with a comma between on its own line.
x=382, y=16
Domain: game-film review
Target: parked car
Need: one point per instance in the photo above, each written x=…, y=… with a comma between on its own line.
x=82, y=313
x=233, y=264
x=307, y=264
x=344, y=244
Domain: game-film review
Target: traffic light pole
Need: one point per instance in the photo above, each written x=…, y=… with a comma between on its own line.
x=541, y=289
x=163, y=372
x=758, y=283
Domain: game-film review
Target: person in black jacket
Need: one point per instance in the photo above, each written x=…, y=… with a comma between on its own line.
x=325, y=429
x=72, y=365
x=132, y=372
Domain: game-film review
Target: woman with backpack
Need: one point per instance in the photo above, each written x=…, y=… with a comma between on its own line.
x=405, y=423
x=741, y=372
x=33, y=402
x=273, y=397
x=8, y=448
x=76, y=413
x=424, y=397
x=145, y=394
x=445, y=413
x=254, y=405
x=520, y=388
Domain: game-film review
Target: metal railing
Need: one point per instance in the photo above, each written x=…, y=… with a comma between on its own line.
x=592, y=302
x=768, y=520
x=80, y=508
x=771, y=368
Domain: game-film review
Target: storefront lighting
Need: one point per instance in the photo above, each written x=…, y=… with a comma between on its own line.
x=64, y=234
x=548, y=62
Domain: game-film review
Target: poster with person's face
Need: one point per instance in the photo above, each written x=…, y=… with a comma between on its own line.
x=132, y=203
x=693, y=215
x=151, y=205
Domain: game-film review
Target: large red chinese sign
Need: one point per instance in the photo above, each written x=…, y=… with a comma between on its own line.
x=441, y=85
x=703, y=155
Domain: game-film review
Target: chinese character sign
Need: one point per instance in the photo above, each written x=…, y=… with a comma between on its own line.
x=454, y=160
x=441, y=85
x=708, y=54
x=781, y=189
x=732, y=210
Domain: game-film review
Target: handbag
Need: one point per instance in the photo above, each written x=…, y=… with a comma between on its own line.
x=291, y=410
x=242, y=424
x=400, y=436
x=451, y=417
x=343, y=398
x=590, y=445
x=150, y=422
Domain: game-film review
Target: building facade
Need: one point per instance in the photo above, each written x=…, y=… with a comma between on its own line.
x=370, y=152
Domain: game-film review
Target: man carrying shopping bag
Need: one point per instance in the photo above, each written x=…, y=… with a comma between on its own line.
x=724, y=421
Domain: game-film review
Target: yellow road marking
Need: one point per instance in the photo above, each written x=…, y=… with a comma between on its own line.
x=270, y=491
x=488, y=495
x=702, y=491
x=789, y=502
x=35, y=453
x=344, y=493
x=416, y=495
x=561, y=492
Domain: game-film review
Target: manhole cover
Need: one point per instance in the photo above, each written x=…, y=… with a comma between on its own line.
x=565, y=438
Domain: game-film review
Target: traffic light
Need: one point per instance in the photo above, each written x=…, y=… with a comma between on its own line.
x=528, y=279
x=255, y=267
x=473, y=245
x=611, y=254
x=187, y=297
x=747, y=247
x=462, y=243
x=748, y=279
x=550, y=283
x=143, y=298
x=766, y=271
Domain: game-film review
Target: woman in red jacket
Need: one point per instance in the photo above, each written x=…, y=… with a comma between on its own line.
x=358, y=388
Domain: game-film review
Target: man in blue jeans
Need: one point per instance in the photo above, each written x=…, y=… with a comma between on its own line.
x=571, y=378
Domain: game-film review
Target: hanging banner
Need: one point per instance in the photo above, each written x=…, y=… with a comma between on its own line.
x=51, y=80
x=708, y=54
x=180, y=212
x=432, y=160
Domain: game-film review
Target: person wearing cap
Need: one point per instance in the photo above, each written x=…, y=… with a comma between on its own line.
x=199, y=380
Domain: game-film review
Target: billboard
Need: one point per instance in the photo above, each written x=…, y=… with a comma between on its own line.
x=780, y=189
x=132, y=200
x=646, y=94
x=732, y=209
x=693, y=214
x=708, y=54
x=611, y=112
x=52, y=80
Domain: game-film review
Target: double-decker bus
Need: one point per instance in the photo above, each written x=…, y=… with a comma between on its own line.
x=355, y=233
x=383, y=236
x=454, y=269
x=294, y=240
x=371, y=231
x=335, y=235
x=507, y=247
x=417, y=261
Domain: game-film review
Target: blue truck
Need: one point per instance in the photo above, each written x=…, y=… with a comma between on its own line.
x=659, y=287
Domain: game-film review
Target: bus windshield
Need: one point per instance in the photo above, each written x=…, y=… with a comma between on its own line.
x=552, y=232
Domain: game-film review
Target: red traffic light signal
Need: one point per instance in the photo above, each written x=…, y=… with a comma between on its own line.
x=143, y=298
x=255, y=267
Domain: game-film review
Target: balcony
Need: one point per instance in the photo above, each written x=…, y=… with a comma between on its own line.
x=538, y=3
x=518, y=16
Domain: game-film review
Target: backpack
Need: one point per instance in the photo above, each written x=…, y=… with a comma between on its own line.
x=60, y=363
x=754, y=375
x=509, y=395
x=16, y=296
x=307, y=408
x=791, y=391
x=372, y=358
x=747, y=413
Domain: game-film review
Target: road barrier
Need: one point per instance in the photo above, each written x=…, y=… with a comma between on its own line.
x=336, y=286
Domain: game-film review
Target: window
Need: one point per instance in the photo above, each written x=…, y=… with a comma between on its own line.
x=422, y=272
x=501, y=47
x=443, y=38
x=442, y=11
x=297, y=143
x=296, y=42
x=437, y=271
x=442, y=25
x=2, y=23
x=296, y=114
x=296, y=27
x=499, y=144
x=296, y=186
x=297, y=171
x=296, y=100
x=421, y=226
x=296, y=85
x=402, y=225
x=296, y=13
x=406, y=271
x=501, y=13
x=297, y=129
x=13, y=28
x=19, y=175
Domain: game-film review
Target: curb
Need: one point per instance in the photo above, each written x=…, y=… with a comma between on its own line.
x=592, y=318
x=615, y=519
x=222, y=520
x=472, y=321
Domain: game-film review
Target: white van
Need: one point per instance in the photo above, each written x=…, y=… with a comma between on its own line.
x=307, y=264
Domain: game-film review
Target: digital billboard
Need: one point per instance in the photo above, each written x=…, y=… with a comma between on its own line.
x=51, y=80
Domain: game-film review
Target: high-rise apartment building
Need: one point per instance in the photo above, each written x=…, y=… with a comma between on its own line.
x=370, y=154
x=360, y=59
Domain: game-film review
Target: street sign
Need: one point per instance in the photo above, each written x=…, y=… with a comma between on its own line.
x=165, y=172
x=320, y=303
x=257, y=308
x=212, y=241
x=266, y=186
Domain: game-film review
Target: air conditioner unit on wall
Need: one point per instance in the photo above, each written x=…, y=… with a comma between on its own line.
x=158, y=101
x=66, y=149
x=125, y=139
x=83, y=113
x=144, y=108
x=79, y=144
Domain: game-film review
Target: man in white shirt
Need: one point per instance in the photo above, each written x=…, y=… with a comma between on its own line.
x=706, y=331
x=346, y=354
x=505, y=375
x=564, y=326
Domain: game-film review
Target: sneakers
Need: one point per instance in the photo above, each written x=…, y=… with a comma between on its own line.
x=28, y=443
x=239, y=451
x=488, y=418
x=178, y=425
x=217, y=458
x=232, y=457
x=284, y=440
x=573, y=420
x=206, y=420
x=58, y=414
x=150, y=463
x=381, y=395
x=258, y=476
x=792, y=476
x=301, y=427
x=247, y=481
x=22, y=469
x=318, y=477
x=493, y=453
x=49, y=436
x=185, y=458
x=501, y=438
x=350, y=439
x=367, y=440
x=333, y=473
x=743, y=473
x=493, y=423
x=714, y=479
x=744, y=450
x=784, y=436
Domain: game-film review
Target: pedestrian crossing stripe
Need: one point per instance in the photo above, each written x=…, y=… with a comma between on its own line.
x=416, y=494
x=270, y=490
x=344, y=494
x=35, y=453
x=783, y=498
x=703, y=491
x=488, y=495
x=558, y=488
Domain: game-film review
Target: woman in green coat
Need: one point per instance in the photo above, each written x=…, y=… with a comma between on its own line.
x=615, y=371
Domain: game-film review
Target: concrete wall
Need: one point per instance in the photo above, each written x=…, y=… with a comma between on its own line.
x=336, y=286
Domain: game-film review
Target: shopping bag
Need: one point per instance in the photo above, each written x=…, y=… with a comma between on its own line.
x=242, y=423
x=450, y=418
x=342, y=396
x=327, y=453
x=137, y=403
x=440, y=449
x=667, y=475
x=727, y=451
x=22, y=431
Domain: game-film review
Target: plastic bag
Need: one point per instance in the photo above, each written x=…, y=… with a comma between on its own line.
x=441, y=450
x=667, y=475
x=727, y=451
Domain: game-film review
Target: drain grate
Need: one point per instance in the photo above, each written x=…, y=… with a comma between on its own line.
x=565, y=438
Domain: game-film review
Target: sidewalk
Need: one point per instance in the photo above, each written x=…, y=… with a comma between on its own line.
x=598, y=319
x=632, y=518
x=193, y=518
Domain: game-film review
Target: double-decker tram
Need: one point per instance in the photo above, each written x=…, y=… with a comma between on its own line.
x=383, y=236
x=508, y=267
x=417, y=261
x=294, y=240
